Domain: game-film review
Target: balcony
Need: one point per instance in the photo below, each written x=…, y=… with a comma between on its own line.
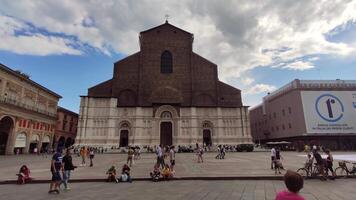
x=22, y=105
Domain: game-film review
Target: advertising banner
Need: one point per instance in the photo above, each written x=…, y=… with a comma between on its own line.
x=329, y=112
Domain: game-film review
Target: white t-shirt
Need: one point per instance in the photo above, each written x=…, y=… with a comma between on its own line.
x=159, y=151
x=172, y=155
x=273, y=152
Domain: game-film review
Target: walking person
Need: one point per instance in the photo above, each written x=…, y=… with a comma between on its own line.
x=278, y=161
x=273, y=157
x=219, y=153
x=83, y=154
x=200, y=154
x=329, y=164
x=56, y=169
x=160, y=159
x=91, y=156
x=68, y=166
x=172, y=158
x=130, y=155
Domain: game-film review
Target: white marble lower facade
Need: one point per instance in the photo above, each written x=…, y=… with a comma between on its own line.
x=102, y=123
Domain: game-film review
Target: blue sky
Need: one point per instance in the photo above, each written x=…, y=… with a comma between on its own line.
x=72, y=46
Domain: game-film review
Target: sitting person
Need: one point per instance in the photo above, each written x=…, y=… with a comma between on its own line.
x=294, y=183
x=125, y=174
x=111, y=175
x=23, y=175
x=166, y=172
x=156, y=173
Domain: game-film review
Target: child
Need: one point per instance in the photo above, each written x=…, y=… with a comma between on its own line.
x=125, y=174
x=156, y=173
x=166, y=172
x=111, y=175
x=23, y=175
x=294, y=183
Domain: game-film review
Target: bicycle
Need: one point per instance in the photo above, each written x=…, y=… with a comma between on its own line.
x=310, y=171
x=344, y=171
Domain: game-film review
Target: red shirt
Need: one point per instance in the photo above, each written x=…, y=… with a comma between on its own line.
x=286, y=195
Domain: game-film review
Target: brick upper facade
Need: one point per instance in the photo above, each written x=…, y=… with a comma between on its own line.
x=138, y=81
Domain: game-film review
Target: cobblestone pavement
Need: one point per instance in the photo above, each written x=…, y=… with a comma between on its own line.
x=188, y=190
x=235, y=164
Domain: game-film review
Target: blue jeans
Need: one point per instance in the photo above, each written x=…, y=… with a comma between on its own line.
x=66, y=177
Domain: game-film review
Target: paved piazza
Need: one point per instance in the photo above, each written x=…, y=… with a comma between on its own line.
x=187, y=190
x=235, y=164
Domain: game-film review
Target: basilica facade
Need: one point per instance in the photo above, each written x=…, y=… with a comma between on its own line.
x=164, y=94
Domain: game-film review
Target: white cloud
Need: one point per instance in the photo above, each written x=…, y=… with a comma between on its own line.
x=299, y=65
x=260, y=88
x=247, y=80
x=33, y=44
x=232, y=34
x=237, y=35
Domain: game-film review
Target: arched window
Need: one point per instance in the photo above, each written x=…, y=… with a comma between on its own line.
x=166, y=115
x=166, y=63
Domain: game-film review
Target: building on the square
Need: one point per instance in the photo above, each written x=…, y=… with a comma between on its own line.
x=66, y=128
x=28, y=113
x=308, y=112
x=164, y=94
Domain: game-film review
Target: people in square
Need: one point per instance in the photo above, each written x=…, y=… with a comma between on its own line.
x=130, y=155
x=172, y=157
x=218, y=156
x=125, y=174
x=91, y=156
x=156, y=173
x=166, y=172
x=83, y=154
x=329, y=164
x=57, y=169
x=159, y=153
x=111, y=175
x=278, y=162
x=294, y=183
x=309, y=162
x=23, y=175
x=273, y=157
x=200, y=152
x=320, y=163
x=68, y=167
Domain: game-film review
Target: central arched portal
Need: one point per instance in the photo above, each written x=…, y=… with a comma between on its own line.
x=124, y=138
x=6, y=126
x=207, y=137
x=166, y=137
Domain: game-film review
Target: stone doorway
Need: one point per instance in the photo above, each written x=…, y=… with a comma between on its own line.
x=124, y=138
x=207, y=137
x=6, y=126
x=166, y=134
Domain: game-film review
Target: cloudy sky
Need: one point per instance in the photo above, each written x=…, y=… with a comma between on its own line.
x=69, y=46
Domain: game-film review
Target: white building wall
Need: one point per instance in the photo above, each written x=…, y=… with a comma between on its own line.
x=101, y=121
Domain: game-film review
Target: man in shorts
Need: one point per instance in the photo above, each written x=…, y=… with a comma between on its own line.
x=56, y=169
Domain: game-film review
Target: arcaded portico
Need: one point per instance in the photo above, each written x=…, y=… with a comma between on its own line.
x=28, y=113
x=163, y=94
